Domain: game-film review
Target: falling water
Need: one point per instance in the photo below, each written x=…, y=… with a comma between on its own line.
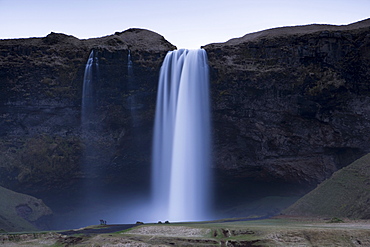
x=131, y=100
x=88, y=120
x=87, y=106
x=181, y=146
x=130, y=71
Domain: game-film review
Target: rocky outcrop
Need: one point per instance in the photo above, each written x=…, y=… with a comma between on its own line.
x=290, y=106
x=20, y=212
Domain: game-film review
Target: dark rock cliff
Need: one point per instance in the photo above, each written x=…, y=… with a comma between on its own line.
x=41, y=83
x=290, y=106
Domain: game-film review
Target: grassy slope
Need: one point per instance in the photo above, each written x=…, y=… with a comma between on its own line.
x=345, y=194
x=9, y=219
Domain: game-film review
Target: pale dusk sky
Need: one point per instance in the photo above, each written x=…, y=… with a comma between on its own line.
x=184, y=23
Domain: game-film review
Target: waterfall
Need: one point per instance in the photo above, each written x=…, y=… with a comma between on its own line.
x=88, y=118
x=181, y=145
x=130, y=71
x=131, y=99
x=87, y=106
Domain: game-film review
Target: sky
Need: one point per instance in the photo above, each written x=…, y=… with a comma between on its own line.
x=185, y=23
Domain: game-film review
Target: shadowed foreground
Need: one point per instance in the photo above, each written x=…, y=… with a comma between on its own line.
x=281, y=231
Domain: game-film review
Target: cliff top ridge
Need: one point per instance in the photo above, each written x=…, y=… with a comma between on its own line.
x=133, y=38
x=295, y=30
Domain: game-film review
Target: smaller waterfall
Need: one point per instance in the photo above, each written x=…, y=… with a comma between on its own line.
x=130, y=82
x=130, y=71
x=87, y=106
x=133, y=100
x=88, y=125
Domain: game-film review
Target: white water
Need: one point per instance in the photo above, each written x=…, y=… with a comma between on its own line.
x=88, y=122
x=87, y=106
x=181, y=146
x=130, y=71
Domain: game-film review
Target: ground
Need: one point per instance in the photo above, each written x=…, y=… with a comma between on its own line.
x=277, y=231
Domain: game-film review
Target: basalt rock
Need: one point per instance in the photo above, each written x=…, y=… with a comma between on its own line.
x=290, y=105
x=41, y=83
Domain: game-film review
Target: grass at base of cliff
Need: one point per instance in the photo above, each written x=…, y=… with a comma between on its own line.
x=9, y=220
x=345, y=194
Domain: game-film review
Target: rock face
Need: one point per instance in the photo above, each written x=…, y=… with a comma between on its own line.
x=41, y=85
x=19, y=212
x=290, y=106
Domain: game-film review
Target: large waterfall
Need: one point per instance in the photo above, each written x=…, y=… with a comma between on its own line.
x=181, y=146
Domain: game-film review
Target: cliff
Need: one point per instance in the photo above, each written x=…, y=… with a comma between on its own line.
x=41, y=83
x=290, y=106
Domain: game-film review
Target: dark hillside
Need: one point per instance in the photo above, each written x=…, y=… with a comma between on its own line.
x=345, y=194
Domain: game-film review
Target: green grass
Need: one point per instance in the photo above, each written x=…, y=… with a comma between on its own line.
x=335, y=220
x=9, y=220
x=346, y=194
x=58, y=245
